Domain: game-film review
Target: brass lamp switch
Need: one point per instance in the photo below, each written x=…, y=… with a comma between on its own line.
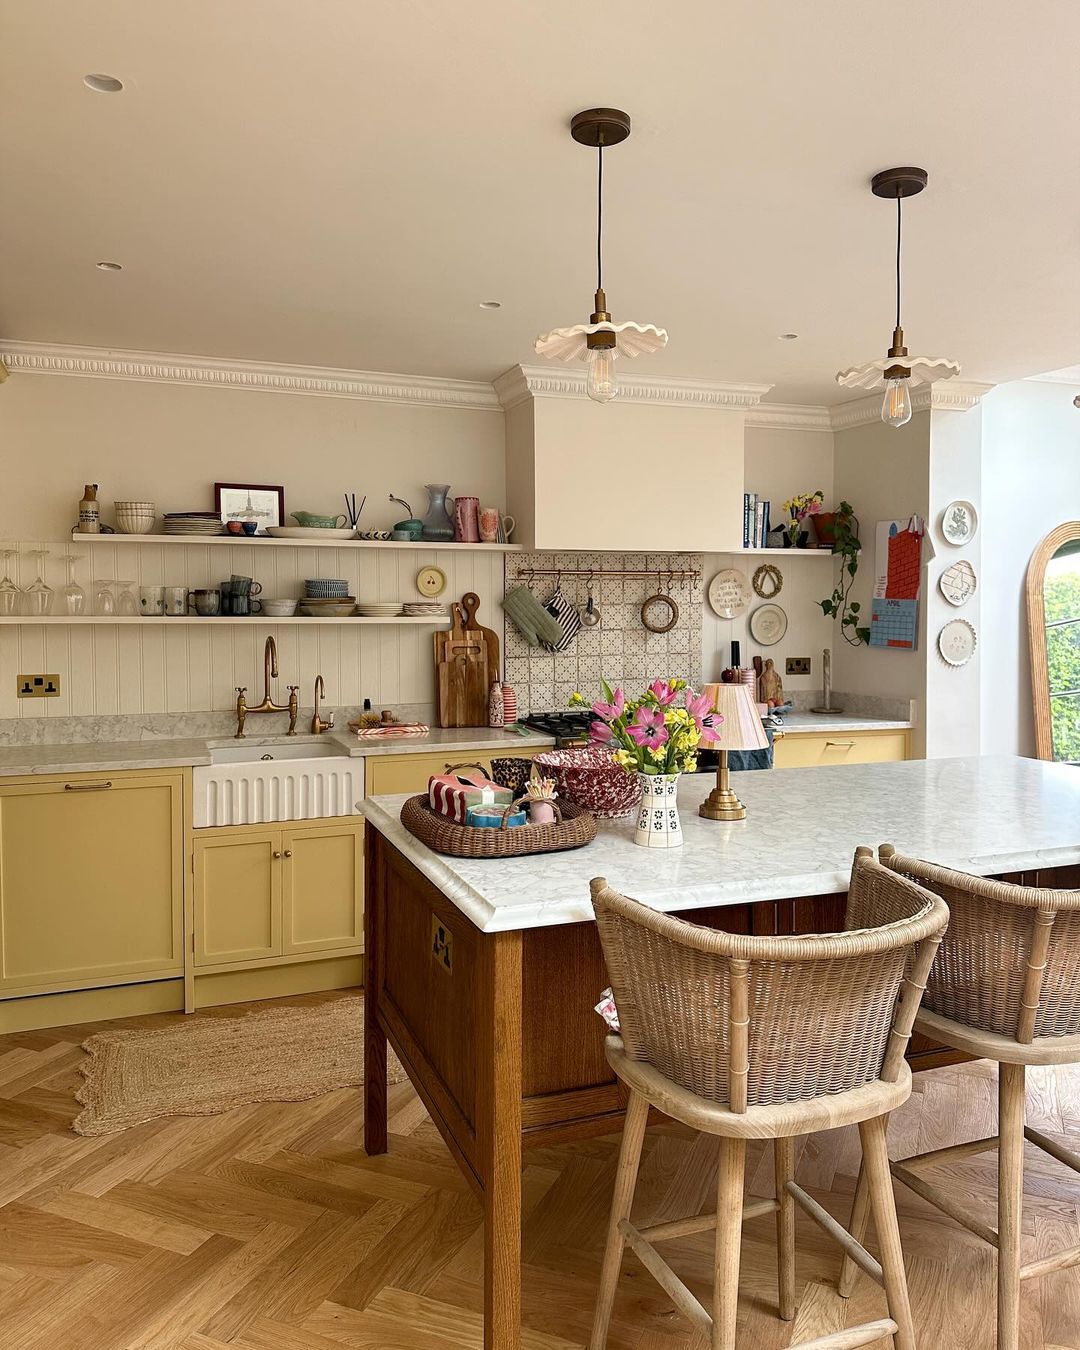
x=38, y=686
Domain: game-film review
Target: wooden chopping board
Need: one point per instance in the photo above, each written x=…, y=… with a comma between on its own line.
x=461, y=679
x=471, y=603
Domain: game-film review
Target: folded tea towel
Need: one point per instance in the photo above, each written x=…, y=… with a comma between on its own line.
x=531, y=619
x=565, y=614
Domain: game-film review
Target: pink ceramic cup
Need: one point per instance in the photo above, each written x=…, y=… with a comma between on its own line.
x=489, y=525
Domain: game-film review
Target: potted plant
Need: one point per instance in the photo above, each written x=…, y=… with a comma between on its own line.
x=655, y=738
x=800, y=506
x=846, y=547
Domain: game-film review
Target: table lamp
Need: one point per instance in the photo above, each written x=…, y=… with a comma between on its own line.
x=741, y=729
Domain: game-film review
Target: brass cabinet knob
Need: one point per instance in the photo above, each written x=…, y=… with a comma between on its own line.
x=276, y=854
x=288, y=853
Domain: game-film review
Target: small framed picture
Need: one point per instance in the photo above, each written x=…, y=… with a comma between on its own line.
x=252, y=502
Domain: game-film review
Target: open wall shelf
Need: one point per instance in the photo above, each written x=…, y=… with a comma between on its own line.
x=263, y=541
x=207, y=621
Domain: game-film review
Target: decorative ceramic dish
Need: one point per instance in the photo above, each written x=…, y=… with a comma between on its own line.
x=768, y=624
x=959, y=523
x=958, y=583
x=375, y=536
x=729, y=593
x=956, y=642
x=309, y=532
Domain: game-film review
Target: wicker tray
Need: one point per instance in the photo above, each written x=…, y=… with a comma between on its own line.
x=575, y=829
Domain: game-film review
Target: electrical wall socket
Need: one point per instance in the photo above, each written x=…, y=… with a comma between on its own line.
x=797, y=665
x=38, y=686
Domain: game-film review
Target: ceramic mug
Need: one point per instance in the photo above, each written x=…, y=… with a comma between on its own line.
x=152, y=600
x=508, y=523
x=489, y=525
x=466, y=525
x=207, y=603
x=176, y=600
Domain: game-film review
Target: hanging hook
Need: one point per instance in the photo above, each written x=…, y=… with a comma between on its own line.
x=670, y=581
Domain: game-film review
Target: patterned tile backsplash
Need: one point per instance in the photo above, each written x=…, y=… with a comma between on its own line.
x=619, y=649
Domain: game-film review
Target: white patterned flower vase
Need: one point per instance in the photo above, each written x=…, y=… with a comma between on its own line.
x=658, y=824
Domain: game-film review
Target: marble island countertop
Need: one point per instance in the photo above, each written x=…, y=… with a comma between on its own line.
x=982, y=815
x=192, y=751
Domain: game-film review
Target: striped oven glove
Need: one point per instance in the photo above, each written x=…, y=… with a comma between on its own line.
x=531, y=619
x=565, y=614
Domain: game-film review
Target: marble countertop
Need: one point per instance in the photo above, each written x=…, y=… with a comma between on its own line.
x=818, y=722
x=981, y=815
x=114, y=756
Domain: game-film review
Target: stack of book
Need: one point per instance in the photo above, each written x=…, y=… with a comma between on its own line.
x=755, y=526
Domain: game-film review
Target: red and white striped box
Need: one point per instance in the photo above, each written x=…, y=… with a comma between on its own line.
x=451, y=794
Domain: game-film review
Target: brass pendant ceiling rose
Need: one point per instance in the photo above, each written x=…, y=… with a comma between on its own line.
x=893, y=183
x=600, y=126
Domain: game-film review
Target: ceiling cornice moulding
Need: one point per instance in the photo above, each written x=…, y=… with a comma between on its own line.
x=948, y=396
x=43, y=358
x=518, y=383
x=790, y=417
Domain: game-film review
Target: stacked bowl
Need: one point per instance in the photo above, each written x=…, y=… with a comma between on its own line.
x=590, y=778
x=135, y=517
x=326, y=588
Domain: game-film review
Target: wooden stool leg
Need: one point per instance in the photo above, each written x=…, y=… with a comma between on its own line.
x=637, y=1114
x=860, y=1212
x=784, y=1167
x=883, y=1203
x=729, y=1213
x=1010, y=1201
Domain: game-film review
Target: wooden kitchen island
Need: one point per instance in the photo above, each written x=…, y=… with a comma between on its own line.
x=483, y=974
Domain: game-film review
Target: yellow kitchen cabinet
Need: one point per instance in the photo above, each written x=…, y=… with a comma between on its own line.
x=266, y=893
x=322, y=888
x=91, y=880
x=237, y=896
x=386, y=775
x=799, y=749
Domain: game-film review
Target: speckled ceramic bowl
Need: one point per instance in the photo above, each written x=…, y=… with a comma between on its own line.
x=588, y=777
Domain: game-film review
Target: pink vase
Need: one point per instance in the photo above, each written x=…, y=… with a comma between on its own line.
x=467, y=520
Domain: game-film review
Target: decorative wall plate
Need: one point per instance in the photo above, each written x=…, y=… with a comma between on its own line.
x=768, y=581
x=958, y=583
x=959, y=523
x=956, y=642
x=768, y=624
x=431, y=581
x=729, y=593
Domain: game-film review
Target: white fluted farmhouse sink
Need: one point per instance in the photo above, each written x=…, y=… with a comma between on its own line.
x=253, y=784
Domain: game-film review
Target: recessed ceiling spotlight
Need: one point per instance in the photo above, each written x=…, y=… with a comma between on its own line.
x=103, y=84
x=491, y=304
x=109, y=266
x=788, y=337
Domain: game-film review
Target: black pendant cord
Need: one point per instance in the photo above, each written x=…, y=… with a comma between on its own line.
x=599, y=216
x=899, y=199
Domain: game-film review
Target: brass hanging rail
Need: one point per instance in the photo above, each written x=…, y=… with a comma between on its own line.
x=666, y=575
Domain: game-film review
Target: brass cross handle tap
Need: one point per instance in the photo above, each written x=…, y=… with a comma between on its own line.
x=294, y=708
x=241, y=711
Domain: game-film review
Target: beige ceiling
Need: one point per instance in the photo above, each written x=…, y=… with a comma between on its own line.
x=342, y=182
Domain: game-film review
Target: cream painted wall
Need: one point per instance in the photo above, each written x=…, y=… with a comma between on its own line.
x=1031, y=482
x=884, y=472
x=171, y=443
x=629, y=476
x=778, y=462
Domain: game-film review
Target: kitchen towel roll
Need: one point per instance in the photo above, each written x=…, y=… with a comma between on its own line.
x=531, y=619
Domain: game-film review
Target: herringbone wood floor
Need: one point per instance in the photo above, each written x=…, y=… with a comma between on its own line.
x=268, y=1228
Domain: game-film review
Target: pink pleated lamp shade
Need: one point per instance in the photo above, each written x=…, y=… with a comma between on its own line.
x=741, y=728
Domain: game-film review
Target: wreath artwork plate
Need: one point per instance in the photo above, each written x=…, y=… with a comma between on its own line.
x=768, y=581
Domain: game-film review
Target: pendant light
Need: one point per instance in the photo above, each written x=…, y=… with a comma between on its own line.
x=898, y=372
x=600, y=342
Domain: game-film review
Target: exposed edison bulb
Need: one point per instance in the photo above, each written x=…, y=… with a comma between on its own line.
x=896, y=405
x=601, y=384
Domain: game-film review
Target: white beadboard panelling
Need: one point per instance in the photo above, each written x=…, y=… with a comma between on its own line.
x=192, y=667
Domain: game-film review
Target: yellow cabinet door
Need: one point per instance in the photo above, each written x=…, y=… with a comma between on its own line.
x=800, y=750
x=237, y=896
x=386, y=775
x=322, y=888
x=91, y=880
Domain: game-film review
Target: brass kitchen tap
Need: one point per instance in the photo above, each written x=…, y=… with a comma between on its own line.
x=318, y=726
x=270, y=670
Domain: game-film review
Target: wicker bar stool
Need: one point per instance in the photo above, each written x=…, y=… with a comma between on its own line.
x=1006, y=987
x=766, y=1038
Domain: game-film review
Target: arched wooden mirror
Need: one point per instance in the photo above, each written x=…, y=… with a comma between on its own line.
x=1053, y=604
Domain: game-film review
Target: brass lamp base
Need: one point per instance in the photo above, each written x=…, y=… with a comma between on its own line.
x=722, y=804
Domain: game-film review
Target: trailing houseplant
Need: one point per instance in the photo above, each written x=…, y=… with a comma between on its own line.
x=839, y=605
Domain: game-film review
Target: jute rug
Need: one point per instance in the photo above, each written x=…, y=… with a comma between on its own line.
x=207, y=1065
